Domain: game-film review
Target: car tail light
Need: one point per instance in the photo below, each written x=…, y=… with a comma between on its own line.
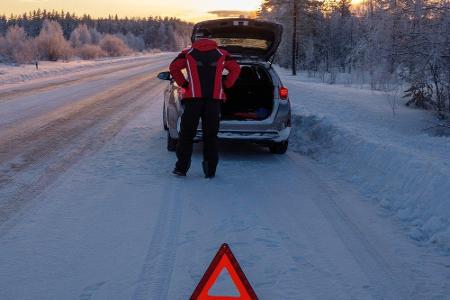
x=284, y=93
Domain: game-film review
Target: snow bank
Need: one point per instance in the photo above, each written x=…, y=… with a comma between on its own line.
x=388, y=157
x=10, y=74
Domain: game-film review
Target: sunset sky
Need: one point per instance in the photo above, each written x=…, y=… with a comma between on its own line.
x=192, y=10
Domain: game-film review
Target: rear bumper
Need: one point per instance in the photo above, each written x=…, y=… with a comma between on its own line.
x=276, y=128
x=253, y=135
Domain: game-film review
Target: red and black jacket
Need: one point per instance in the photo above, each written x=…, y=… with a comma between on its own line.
x=204, y=63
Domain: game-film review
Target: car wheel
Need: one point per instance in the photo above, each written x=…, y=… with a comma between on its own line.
x=279, y=148
x=171, y=143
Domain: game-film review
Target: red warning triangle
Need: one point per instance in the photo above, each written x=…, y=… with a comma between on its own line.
x=224, y=259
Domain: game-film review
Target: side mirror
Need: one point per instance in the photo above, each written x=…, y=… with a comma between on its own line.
x=165, y=76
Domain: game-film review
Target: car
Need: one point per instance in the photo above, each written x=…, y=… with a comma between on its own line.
x=257, y=108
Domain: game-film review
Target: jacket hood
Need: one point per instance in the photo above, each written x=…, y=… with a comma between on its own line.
x=204, y=45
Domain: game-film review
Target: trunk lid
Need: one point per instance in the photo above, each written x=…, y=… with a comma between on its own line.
x=242, y=38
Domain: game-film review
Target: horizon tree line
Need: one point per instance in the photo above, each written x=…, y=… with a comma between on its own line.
x=22, y=37
x=398, y=46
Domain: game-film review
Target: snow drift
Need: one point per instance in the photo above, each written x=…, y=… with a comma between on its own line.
x=382, y=146
x=413, y=186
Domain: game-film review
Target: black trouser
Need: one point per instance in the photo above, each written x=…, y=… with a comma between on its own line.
x=209, y=111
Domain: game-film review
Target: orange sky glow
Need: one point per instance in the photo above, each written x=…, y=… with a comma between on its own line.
x=191, y=10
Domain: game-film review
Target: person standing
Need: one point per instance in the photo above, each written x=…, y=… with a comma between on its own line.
x=203, y=94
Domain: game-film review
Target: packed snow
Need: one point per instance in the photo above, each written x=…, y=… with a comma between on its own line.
x=12, y=73
x=89, y=210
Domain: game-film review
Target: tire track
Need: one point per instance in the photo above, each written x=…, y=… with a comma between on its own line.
x=157, y=269
x=30, y=134
x=54, y=148
x=376, y=268
x=46, y=86
x=20, y=126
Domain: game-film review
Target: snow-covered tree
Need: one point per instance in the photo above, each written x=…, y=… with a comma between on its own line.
x=114, y=46
x=157, y=33
x=16, y=46
x=95, y=36
x=80, y=36
x=51, y=43
x=90, y=52
x=381, y=42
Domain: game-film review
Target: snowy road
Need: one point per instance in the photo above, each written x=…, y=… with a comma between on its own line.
x=88, y=209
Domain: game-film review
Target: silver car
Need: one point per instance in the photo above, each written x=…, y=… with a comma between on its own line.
x=257, y=107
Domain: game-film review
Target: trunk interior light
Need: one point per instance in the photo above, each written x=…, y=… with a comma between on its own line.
x=284, y=93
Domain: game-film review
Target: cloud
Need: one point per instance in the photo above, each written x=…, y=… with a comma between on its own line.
x=233, y=13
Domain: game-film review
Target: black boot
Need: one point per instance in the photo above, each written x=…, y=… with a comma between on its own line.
x=179, y=172
x=208, y=170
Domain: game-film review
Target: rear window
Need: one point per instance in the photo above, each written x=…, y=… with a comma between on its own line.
x=243, y=43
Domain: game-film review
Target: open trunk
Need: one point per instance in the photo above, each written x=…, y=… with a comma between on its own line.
x=242, y=38
x=251, y=98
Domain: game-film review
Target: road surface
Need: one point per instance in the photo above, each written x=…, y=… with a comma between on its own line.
x=89, y=210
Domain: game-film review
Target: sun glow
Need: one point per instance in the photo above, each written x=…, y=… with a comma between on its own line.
x=191, y=10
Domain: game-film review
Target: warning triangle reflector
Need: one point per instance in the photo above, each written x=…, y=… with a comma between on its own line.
x=224, y=259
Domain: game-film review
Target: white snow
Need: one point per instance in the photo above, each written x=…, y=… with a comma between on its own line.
x=98, y=215
x=390, y=158
x=10, y=73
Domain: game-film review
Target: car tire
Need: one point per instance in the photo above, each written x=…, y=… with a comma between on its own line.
x=279, y=148
x=171, y=143
x=164, y=118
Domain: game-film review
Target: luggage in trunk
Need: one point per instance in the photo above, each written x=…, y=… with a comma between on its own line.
x=251, y=98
